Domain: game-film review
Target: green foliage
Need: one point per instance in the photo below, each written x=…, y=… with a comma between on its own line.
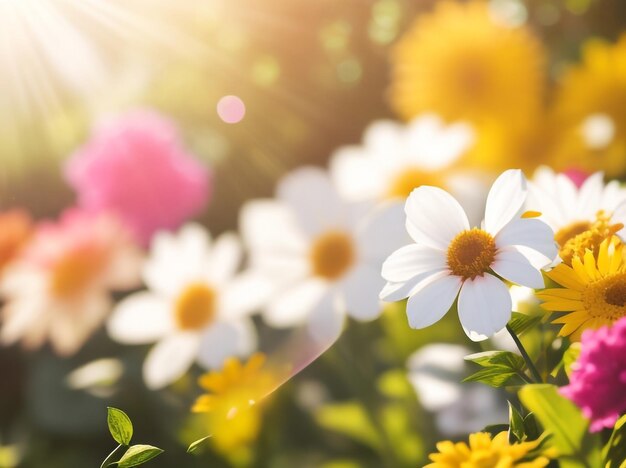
x=500, y=368
x=138, y=455
x=565, y=423
x=194, y=445
x=521, y=323
x=570, y=356
x=517, y=432
x=121, y=429
x=615, y=450
x=120, y=426
x=351, y=420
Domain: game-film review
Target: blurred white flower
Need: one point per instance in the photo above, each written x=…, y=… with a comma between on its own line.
x=436, y=372
x=450, y=259
x=315, y=257
x=570, y=210
x=59, y=287
x=395, y=158
x=191, y=307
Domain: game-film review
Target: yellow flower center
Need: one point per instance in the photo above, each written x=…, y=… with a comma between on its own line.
x=606, y=298
x=471, y=253
x=472, y=78
x=404, y=182
x=74, y=272
x=195, y=307
x=332, y=254
x=575, y=239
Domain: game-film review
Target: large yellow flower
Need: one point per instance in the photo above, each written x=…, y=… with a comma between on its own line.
x=593, y=292
x=590, y=110
x=485, y=452
x=461, y=62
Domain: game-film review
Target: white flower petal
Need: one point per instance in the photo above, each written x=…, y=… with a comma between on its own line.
x=355, y=175
x=532, y=233
x=505, y=200
x=392, y=292
x=515, y=267
x=382, y=232
x=224, y=258
x=169, y=359
x=316, y=205
x=484, y=307
x=292, y=306
x=360, y=290
x=411, y=261
x=434, y=217
x=432, y=300
x=619, y=215
x=222, y=340
x=590, y=195
x=245, y=294
x=140, y=318
x=325, y=322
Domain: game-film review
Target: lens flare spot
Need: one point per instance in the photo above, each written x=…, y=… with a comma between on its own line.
x=231, y=109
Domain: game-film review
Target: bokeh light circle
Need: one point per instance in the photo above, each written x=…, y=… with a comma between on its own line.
x=231, y=109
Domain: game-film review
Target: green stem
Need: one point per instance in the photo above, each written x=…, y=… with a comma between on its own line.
x=109, y=460
x=529, y=363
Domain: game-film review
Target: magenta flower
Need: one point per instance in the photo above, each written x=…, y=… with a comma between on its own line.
x=598, y=379
x=135, y=166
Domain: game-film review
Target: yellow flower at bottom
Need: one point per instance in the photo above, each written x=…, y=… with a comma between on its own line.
x=485, y=452
x=593, y=292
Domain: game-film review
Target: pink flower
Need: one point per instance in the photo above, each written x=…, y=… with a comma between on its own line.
x=598, y=381
x=135, y=166
x=578, y=176
x=59, y=288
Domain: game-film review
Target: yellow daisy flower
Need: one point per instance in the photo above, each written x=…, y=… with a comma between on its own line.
x=485, y=452
x=484, y=71
x=593, y=292
x=590, y=110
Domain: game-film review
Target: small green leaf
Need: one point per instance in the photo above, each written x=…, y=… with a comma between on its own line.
x=120, y=426
x=506, y=359
x=196, y=444
x=570, y=357
x=564, y=421
x=615, y=449
x=516, y=425
x=531, y=427
x=138, y=455
x=495, y=376
x=495, y=429
x=521, y=323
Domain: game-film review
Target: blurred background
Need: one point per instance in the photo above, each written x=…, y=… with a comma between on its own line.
x=311, y=76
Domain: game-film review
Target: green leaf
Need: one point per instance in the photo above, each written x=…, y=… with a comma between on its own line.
x=495, y=376
x=531, y=427
x=570, y=357
x=506, y=359
x=138, y=455
x=120, y=426
x=351, y=420
x=615, y=449
x=495, y=429
x=196, y=444
x=517, y=431
x=521, y=323
x=564, y=421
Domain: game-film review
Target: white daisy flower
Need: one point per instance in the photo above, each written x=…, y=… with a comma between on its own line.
x=450, y=259
x=435, y=371
x=395, y=158
x=570, y=210
x=315, y=257
x=191, y=307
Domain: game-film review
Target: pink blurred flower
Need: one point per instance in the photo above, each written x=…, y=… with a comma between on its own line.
x=59, y=288
x=135, y=166
x=598, y=379
x=578, y=176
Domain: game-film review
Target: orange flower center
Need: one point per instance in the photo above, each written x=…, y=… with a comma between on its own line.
x=404, y=182
x=471, y=253
x=606, y=298
x=615, y=294
x=332, y=254
x=195, y=307
x=75, y=271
